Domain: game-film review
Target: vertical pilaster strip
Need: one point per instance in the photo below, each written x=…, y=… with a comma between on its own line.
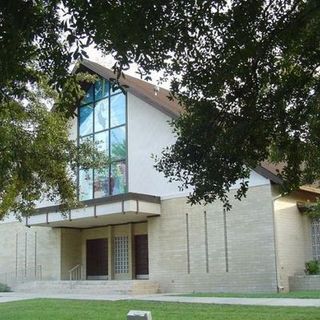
x=188, y=243
x=130, y=251
x=226, y=239
x=17, y=255
x=122, y=206
x=25, y=254
x=110, y=253
x=206, y=240
x=35, y=255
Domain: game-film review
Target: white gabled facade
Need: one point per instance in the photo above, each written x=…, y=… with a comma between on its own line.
x=150, y=231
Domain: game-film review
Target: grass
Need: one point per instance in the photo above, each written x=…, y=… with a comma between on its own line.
x=293, y=294
x=53, y=309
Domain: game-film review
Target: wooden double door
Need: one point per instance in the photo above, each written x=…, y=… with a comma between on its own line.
x=141, y=256
x=97, y=259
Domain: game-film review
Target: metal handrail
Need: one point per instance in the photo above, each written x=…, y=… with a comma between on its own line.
x=75, y=272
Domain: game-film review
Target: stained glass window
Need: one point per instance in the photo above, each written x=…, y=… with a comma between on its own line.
x=102, y=141
x=85, y=184
x=118, y=182
x=101, y=115
x=118, y=110
x=115, y=88
x=88, y=96
x=101, y=89
x=102, y=120
x=85, y=120
x=101, y=183
x=118, y=143
x=86, y=139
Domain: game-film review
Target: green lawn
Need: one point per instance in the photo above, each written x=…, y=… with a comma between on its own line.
x=294, y=294
x=50, y=309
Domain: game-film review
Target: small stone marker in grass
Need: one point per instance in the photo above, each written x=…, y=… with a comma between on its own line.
x=139, y=315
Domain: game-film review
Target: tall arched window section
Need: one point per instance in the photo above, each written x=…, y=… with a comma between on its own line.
x=102, y=119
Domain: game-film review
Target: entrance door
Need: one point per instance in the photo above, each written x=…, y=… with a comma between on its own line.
x=141, y=256
x=97, y=259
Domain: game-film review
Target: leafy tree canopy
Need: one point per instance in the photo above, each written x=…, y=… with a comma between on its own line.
x=246, y=73
x=37, y=158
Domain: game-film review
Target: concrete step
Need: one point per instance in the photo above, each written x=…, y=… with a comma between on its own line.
x=89, y=287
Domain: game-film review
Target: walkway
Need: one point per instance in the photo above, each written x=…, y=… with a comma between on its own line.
x=285, y=302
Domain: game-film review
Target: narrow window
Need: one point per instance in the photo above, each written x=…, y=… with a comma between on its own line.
x=121, y=254
x=102, y=120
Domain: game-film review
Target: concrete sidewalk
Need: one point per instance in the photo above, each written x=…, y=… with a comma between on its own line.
x=283, y=302
x=16, y=296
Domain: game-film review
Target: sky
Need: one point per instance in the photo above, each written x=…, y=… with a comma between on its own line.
x=108, y=61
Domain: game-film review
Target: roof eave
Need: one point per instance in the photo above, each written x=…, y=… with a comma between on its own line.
x=268, y=175
x=102, y=73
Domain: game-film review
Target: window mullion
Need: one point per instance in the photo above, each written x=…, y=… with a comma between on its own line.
x=109, y=140
x=104, y=178
x=94, y=134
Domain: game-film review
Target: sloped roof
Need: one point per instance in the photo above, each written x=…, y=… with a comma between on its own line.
x=139, y=88
x=264, y=172
x=310, y=188
x=270, y=171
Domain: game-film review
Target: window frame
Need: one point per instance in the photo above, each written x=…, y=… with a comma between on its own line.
x=108, y=129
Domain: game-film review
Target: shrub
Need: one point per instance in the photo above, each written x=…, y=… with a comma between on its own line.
x=313, y=267
x=4, y=287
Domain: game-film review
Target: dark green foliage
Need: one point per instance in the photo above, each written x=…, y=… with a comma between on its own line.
x=4, y=288
x=250, y=82
x=37, y=158
x=246, y=73
x=313, y=209
x=313, y=267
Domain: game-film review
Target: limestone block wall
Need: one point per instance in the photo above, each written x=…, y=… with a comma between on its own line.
x=304, y=282
x=57, y=250
x=70, y=250
x=201, y=248
x=23, y=248
x=293, y=238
